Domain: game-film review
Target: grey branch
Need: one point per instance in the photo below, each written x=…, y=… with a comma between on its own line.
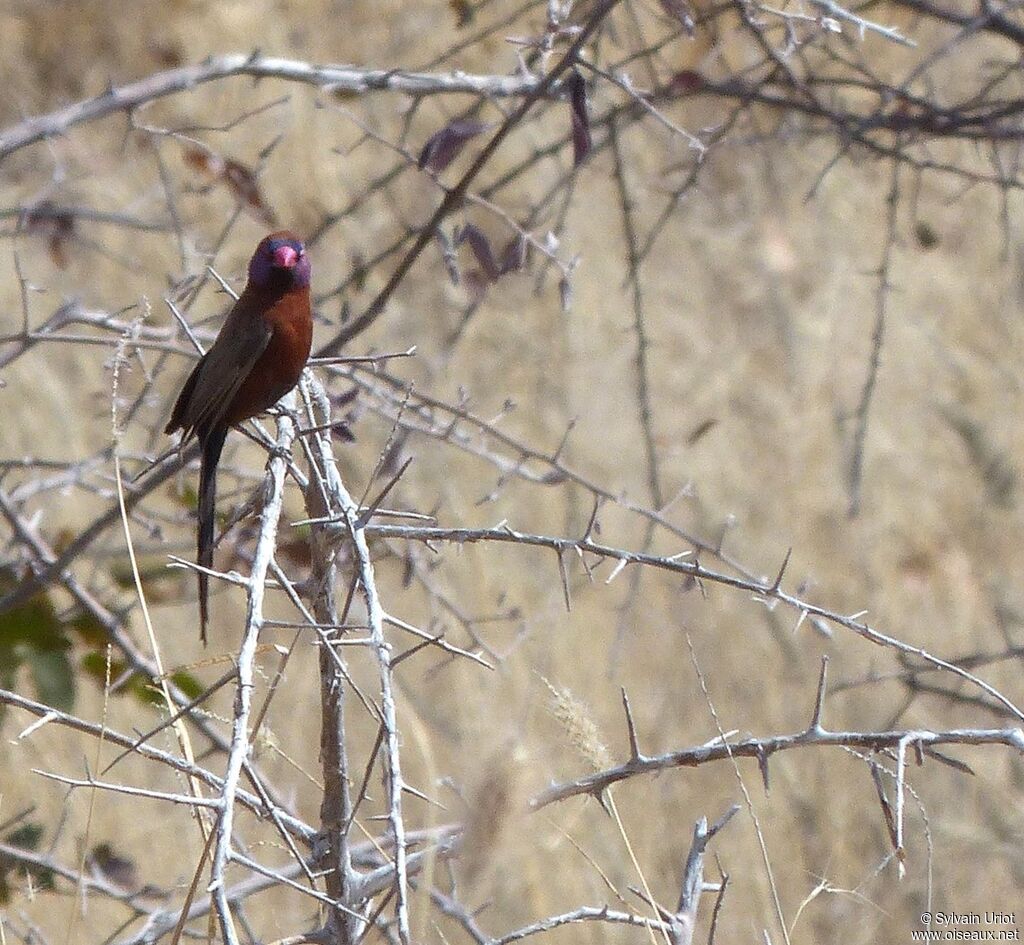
x=50, y=715
x=239, y=750
x=763, y=748
x=355, y=529
x=586, y=914
x=834, y=10
x=684, y=921
x=336, y=808
x=766, y=591
x=337, y=78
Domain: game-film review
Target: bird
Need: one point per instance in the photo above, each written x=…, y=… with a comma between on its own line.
x=258, y=357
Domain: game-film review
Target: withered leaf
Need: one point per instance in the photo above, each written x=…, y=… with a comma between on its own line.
x=476, y=282
x=582, y=141
x=446, y=145
x=513, y=257
x=698, y=432
x=200, y=159
x=166, y=54
x=464, y=12
x=686, y=82
x=565, y=293
x=243, y=184
x=344, y=398
x=481, y=248
x=359, y=271
x=56, y=223
x=115, y=868
x=58, y=249
x=236, y=176
x=927, y=235
x=450, y=257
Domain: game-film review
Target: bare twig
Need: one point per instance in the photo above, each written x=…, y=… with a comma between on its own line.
x=239, y=748
x=332, y=78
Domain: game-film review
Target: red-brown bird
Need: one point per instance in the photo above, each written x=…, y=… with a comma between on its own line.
x=257, y=358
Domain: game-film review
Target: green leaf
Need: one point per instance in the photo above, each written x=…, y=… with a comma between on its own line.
x=188, y=684
x=53, y=678
x=34, y=634
x=27, y=837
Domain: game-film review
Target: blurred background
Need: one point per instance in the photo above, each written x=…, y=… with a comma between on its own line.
x=735, y=295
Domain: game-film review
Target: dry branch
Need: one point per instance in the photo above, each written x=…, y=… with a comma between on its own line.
x=347, y=79
x=693, y=570
x=763, y=748
x=245, y=679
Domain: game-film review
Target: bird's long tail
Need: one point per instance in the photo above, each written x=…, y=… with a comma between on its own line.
x=213, y=443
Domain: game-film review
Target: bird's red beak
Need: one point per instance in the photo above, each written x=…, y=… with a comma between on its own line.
x=285, y=257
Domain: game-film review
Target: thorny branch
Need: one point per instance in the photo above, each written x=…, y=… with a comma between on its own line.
x=349, y=509
x=763, y=748
x=239, y=750
x=345, y=79
x=765, y=592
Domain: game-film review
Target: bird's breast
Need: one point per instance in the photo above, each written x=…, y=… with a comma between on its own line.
x=279, y=367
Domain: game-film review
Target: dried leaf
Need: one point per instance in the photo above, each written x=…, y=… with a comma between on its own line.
x=494, y=805
x=513, y=257
x=166, y=54
x=54, y=222
x=464, y=12
x=343, y=431
x=344, y=398
x=476, y=282
x=296, y=552
x=680, y=10
x=57, y=246
x=565, y=293
x=236, y=176
x=481, y=250
x=359, y=271
x=113, y=867
x=446, y=145
x=927, y=235
x=581, y=138
x=450, y=256
x=207, y=162
x=243, y=184
x=686, y=82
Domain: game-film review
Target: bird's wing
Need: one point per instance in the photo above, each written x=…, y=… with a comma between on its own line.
x=226, y=365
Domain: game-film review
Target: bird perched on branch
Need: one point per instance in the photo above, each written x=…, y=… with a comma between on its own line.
x=256, y=359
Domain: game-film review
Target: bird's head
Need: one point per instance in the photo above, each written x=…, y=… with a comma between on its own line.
x=280, y=263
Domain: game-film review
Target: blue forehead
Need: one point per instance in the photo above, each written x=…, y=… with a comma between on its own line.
x=274, y=245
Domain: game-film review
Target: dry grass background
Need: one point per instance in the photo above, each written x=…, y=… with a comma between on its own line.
x=760, y=308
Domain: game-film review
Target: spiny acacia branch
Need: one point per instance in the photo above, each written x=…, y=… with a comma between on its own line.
x=762, y=748
x=355, y=529
x=693, y=569
x=346, y=79
x=337, y=812
x=297, y=827
x=246, y=662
